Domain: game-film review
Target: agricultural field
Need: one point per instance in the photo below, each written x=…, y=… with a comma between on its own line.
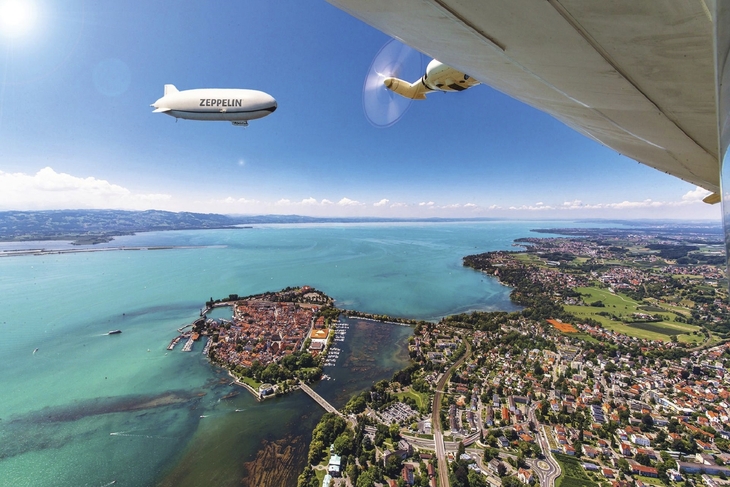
x=671, y=307
x=563, y=327
x=529, y=258
x=623, y=308
x=573, y=473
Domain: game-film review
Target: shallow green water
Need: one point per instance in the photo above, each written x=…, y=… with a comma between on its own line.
x=87, y=408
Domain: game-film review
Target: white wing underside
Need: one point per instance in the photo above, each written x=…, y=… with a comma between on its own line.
x=636, y=76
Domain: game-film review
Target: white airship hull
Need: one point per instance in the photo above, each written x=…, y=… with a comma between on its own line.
x=216, y=104
x=220, y=116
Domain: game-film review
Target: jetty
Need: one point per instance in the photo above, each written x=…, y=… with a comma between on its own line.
x=174, y=342
x=189, y=344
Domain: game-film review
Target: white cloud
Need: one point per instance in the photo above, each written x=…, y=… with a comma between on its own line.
x=283, y=202
x=382, y=202
x=470, y=205
x=693, y=197
x=696, y=195
x=348, y=202
x=573, y=204
x=536, y=207
x=232, y=201
x=309, y=201
x=48, y=189
x=423, y=203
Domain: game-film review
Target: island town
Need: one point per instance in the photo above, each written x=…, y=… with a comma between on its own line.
x=612, y=374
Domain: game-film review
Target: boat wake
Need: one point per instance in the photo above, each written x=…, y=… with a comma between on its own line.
x=131, y=434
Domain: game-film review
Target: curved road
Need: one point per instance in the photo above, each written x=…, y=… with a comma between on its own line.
x=436, y=418
x=547, y=475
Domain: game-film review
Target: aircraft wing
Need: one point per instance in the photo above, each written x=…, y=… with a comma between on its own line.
x=635, y=75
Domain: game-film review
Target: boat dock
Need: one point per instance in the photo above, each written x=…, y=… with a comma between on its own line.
x=206, y=349
x=174, y=342
x=188, y=345
x=333, y=352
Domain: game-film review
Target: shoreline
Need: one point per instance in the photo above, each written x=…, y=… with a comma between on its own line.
x=32, y=252
x=245, y=386
x=352, y=317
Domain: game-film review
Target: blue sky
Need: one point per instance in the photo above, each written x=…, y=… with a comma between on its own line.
x=76, y=128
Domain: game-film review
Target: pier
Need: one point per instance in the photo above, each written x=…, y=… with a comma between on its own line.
x=174, y=342
x=188, y=345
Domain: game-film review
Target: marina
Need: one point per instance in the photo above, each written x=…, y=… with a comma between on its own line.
x=333, y=353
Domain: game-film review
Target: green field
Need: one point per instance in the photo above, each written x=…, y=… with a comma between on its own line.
x=250, y=381
x=582, y=336
x=531, y=259
x=551, y=440
x=573, y=473
x=421, y=399
x=671, y=307
x=624, y=307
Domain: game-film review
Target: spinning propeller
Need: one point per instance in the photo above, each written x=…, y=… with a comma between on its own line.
x=386, y=94
x=382, y=106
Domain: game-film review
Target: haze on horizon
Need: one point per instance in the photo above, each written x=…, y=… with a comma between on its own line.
x=76, y=129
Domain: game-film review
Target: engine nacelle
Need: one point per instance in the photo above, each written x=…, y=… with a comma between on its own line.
x=442, y=77
x=438, y=77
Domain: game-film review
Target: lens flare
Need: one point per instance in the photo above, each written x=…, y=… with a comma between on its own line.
x=16, y=17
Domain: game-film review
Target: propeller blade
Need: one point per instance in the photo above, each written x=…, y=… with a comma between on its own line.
x=382, y=107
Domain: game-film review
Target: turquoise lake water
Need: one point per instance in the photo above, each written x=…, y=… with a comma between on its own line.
x=88, y=408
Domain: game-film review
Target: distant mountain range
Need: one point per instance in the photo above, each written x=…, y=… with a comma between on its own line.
x=96, y=226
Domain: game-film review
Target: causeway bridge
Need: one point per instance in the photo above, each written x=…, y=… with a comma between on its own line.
x=320, y=400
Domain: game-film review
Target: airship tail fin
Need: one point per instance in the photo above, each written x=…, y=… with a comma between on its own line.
x=161, y=110
x=170, y=89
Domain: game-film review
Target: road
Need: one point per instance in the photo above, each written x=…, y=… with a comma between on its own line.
x=549, y=469
x=438, y=435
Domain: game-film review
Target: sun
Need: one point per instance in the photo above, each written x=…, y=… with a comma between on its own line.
x=16, y=17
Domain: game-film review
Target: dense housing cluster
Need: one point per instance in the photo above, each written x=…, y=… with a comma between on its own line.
x=614, y=374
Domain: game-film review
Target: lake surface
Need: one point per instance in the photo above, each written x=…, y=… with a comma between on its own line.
x=88, y=408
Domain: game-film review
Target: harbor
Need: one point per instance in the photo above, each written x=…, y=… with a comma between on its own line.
x=333, y=352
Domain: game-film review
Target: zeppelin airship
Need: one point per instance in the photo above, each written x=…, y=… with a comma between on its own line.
x=232, y=105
